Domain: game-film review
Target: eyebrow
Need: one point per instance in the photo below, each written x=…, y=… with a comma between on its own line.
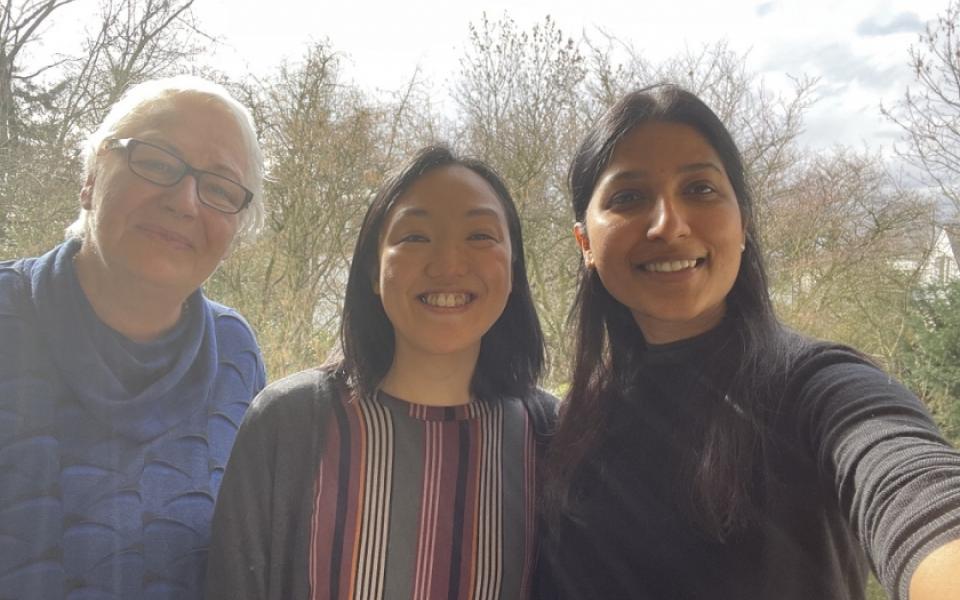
x=220, y=168
x=641, y=174
x=414, y=211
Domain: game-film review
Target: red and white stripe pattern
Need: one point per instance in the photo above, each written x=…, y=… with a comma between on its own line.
x=411, y=502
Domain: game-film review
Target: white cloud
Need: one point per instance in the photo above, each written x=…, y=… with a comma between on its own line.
x=857, y=48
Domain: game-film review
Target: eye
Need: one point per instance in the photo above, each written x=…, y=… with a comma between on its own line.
x=626, y=198
x=159, y=167
x=701, y=188
x=482, y=236
x=220, y=193
x=218, y=190
x=413, y=237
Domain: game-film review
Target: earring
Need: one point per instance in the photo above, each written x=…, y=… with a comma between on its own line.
x=743, y=247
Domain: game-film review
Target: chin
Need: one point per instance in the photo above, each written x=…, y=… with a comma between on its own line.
x=166, y=276
x=670, y=318
x=448, y=347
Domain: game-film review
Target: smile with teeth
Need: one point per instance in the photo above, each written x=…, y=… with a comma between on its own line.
x=670, y=266
x=446, y=299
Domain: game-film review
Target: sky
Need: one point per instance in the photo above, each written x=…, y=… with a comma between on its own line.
x=858, y=50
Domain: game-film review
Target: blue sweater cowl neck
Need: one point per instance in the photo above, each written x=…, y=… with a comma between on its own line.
x=111, y=451
x=94, y=360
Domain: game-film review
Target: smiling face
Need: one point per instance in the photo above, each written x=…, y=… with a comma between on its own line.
x=663, y=230
x=444, y=271
x=162, y=237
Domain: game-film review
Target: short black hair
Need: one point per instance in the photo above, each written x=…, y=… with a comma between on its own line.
x=511, y=352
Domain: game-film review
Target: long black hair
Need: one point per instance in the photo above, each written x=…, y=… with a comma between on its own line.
x=511, y=352
x=608, y=342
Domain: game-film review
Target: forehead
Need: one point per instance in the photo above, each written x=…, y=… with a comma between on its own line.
x=171, y=109
x=448, y=192
x=198, y=126
x=662, y=145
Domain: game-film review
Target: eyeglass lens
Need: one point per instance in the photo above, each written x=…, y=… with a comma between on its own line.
x=163, y=168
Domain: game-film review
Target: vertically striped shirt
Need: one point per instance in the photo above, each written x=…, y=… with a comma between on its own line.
x=424, y=502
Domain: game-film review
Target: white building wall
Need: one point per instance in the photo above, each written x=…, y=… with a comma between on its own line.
x=941, y=266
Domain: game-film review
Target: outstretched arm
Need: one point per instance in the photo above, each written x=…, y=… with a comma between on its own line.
x=896, y=478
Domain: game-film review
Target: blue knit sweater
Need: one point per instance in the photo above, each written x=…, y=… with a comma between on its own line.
x=111, y=452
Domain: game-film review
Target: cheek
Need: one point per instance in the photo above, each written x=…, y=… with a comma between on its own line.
x=735, y=234
x=385, y=281
x=220, y=230
x=390, y=275
x=732, y=256
x=609, y=241
x=500, y=270
x=106, y=210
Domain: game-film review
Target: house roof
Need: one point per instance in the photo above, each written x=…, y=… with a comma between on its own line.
x=953, y=236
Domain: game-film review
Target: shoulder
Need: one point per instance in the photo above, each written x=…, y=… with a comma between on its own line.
x=819, y=362
x=542, y=407
x=18, y=323
x=542, y=401
x=14, y=286
x=294, y=399
x=794, y=361
x=811, y=353
x=230, y=324
x=837, y=388
x=236, y=343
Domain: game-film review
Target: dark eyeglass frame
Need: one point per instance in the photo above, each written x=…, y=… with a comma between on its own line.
x=128, y=145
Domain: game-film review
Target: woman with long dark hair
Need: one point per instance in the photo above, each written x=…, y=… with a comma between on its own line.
x=704, y=450
x=408, y=468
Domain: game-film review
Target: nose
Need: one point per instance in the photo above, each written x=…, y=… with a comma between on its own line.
x=447, y=260
x=182, y=198
x=668, y=220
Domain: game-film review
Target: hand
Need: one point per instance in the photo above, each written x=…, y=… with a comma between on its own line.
x=938, y=575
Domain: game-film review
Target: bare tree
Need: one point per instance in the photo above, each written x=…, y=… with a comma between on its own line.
x=765, y=125
x=845, y=241
x=322, y=141
x=25, y=165
x=929, y=112
x=135, y=40
x=20, y=26
x=518, y=93
x=43, y=117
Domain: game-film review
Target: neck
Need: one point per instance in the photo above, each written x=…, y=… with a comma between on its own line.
x=662, y=331
x=431, y=379
x=138, y=312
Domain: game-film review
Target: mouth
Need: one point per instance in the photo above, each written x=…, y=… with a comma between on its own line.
x=167, y=236
x=446, y=299
x=671, y=266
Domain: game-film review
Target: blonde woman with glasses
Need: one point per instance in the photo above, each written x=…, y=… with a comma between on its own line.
x=121, y=384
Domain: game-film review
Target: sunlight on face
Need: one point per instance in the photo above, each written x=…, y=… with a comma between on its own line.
x=663, y=230
x=445, y=263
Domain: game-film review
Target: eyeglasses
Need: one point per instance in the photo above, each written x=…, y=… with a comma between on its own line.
x=159, y=166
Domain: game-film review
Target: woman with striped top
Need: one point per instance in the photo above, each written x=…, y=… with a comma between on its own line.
x=408, y=468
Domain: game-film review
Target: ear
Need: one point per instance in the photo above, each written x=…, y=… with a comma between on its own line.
x=86, y=192
x=580, y=234
x=375, y=283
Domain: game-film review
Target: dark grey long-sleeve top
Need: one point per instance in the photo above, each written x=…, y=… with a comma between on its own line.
x=860, y=478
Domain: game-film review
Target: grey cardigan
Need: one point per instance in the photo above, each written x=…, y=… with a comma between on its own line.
x=261, y=525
